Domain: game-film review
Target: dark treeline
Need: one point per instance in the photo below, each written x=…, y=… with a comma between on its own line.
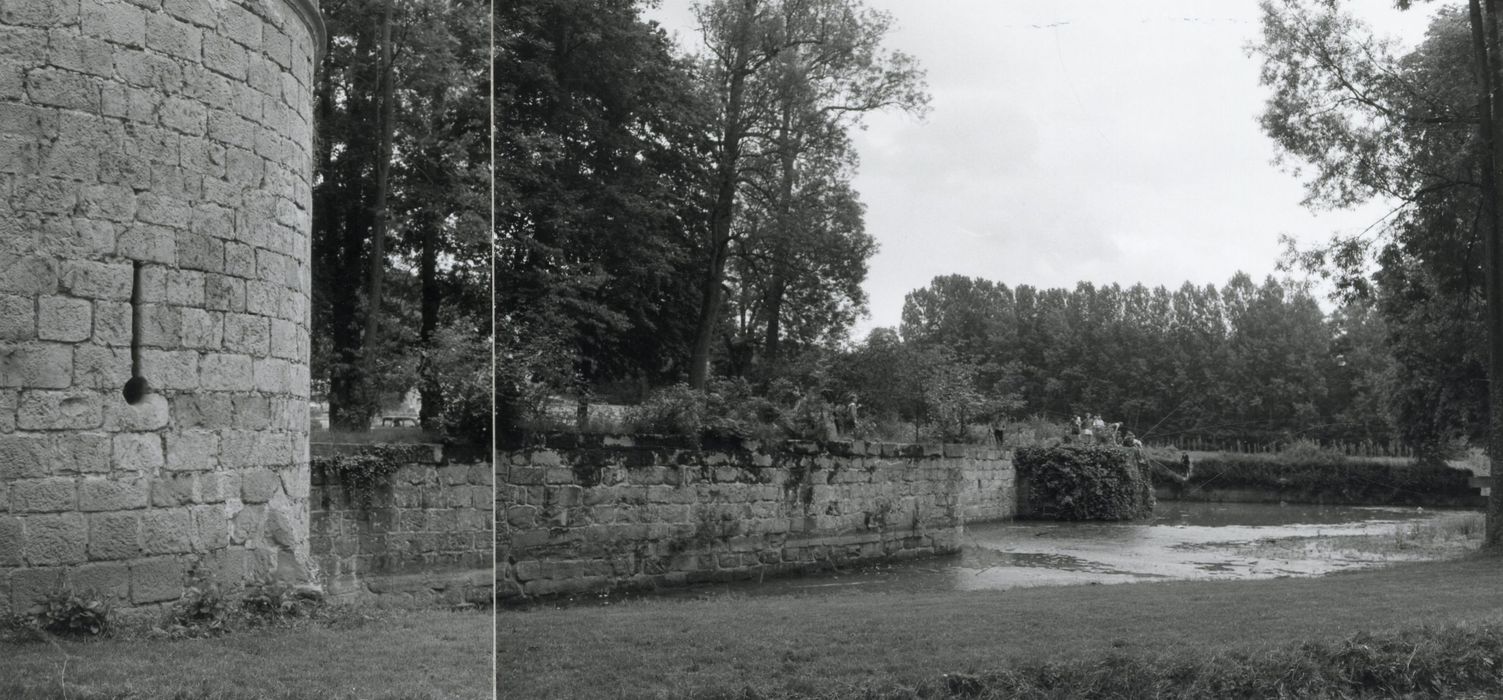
x=1260, y=363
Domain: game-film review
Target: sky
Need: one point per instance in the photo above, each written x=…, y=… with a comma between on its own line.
x=1079, y=140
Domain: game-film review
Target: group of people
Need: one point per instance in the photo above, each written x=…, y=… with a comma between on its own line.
x=1094, y=429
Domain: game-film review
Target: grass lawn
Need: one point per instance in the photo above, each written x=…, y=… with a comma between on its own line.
x=416, y=654
x=844, y=642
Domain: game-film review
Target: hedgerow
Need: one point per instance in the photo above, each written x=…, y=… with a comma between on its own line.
x=1298, y=478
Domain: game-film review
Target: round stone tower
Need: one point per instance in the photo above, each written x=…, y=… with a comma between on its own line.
x=155, y=184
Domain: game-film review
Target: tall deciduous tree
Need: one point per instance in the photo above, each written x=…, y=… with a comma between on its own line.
x=599, y=150
x=782, y=73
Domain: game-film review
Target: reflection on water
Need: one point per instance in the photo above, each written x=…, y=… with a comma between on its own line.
x=1184, y=540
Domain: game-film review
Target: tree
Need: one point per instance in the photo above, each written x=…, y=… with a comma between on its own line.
x=780, y=71
x=804, y=287
x=598, y=149
x=378, y=66
x=1424, y=129
x=444, y=235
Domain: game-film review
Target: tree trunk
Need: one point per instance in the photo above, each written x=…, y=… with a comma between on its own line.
x=778, y=285
x=372, y=335
x=429, y=390
x=1490, y=129
x=726, y=176
x=347, y=221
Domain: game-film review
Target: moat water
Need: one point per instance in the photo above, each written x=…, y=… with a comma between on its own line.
x=1185, y=540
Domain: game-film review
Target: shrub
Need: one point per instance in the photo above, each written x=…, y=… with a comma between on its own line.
x=203, y=610
x=465, y=382
x=674, y=410
x=1082, y=483
x=726, y=409
x=275, y=601
x=77, y=614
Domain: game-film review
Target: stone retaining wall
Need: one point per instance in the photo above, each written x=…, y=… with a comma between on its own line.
x=424, y=535
x=634, y=513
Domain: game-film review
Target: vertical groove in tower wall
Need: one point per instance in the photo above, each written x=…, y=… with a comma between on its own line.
x=155, y=185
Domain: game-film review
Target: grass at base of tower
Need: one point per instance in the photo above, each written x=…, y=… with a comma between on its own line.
x=902, y=644
x=400, y=654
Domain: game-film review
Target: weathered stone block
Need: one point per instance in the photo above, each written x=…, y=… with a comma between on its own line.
x=137, y=452
x=119, y=23
x=65, y=89
x=38, y=13
x=24, y=457
x=96, y=280
x=248, y=524
x=211, y=528
x=105, y=579
x=196, y=251
x=18, y=318
x=113, y=494
x=166, y=531
x=10, y=541
x=98, y=367
x=10, y=400
x=185, y=288
x=273, y=376
x=161, y=326
x=194, y=450
x=48, y=495
x=175, y=489
x=217, y=487
x=112, y=323
x=36, y=365
x=148, y=414
x=82, y=453
x=212, y=411
x=247, y=334
x=224, y=372
x=50, y=540
x=239, y=260
x=29, y=586
x=27, y=274
x=170, y=369
x=192, y=11
x=114, y=536
x=259, y=485
x=156, y=580
x=175, y=38
x=223, y=56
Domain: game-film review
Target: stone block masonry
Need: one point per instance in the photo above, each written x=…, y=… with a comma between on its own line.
x=155, y=184
x=424, y=535
x=586, y=514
